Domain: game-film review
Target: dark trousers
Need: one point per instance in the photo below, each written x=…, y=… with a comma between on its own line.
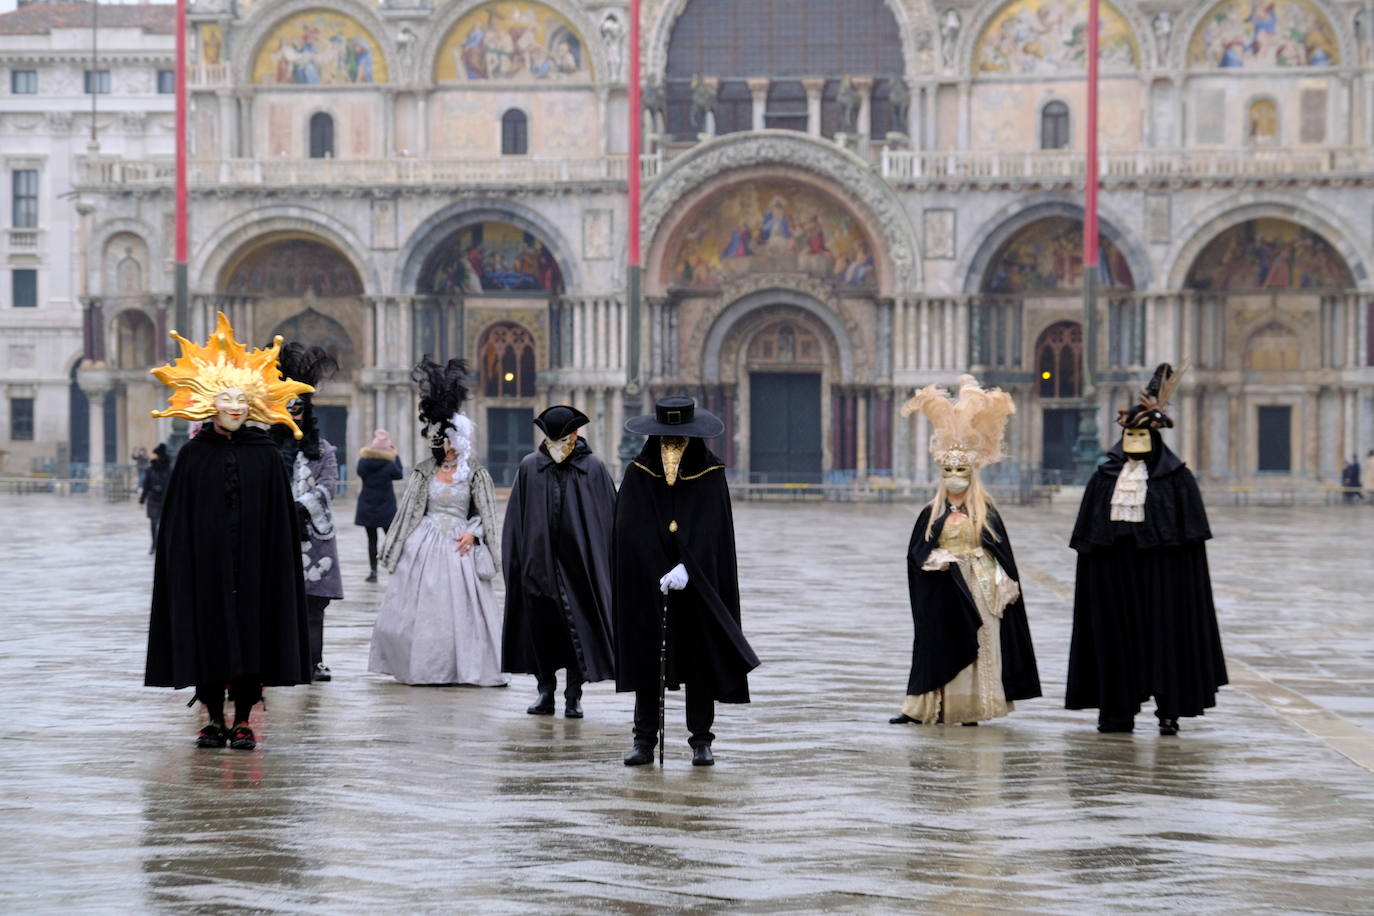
x=1165, y=708
x=548, y=683
x=701, y=715
x=372, y=546
x=314, y=615
x=152, y=526
x=245, y=692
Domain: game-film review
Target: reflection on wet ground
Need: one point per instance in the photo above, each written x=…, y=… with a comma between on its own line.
x=367, y=794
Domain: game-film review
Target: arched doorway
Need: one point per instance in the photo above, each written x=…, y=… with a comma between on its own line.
x=315, y=329
x=785, y=360
x=506, y=374
x=1059, y=380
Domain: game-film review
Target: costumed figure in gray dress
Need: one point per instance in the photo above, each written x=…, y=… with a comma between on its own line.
x=313, y=466
x=439, y=622
x=971, y=654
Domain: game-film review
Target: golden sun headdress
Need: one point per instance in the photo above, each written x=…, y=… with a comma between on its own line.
x=201, y=373
x=967, y=431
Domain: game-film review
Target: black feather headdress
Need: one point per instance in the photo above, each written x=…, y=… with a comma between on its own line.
x=311, y=365
x=1148, y=412
x=442, y=394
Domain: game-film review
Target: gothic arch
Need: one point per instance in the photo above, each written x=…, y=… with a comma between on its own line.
x=1188, y=26
x=314, y=328
x=268, y=16
x=725, y=321
x=438, y=227
x=229, y=240
x=100, y=240
x=998, y=230
x=911, y=15
x=436, y=34
x=975, y=26
x=1195, y=235
x=691, y=177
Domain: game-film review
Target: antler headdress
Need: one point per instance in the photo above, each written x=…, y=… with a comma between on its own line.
x=1148, y=412
x=969, y=430
x=201, y=373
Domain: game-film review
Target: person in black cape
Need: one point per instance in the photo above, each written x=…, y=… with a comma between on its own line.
x=154, y=486
x=1144, y=624
x=971, y=654
x=675, y=545
x=557, y=551
x=228, y=604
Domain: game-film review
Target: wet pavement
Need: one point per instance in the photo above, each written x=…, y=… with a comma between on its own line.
x=365, y=794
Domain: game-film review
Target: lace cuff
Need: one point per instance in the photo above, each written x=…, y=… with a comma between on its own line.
x=1007, y=591
x=939, y=560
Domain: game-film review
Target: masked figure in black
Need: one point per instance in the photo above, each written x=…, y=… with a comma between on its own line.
x=675, y=544
x=313, y=465
x=556, y=543
x=1143, y=620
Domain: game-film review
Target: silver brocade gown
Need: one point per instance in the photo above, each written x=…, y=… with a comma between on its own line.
x=439, y=622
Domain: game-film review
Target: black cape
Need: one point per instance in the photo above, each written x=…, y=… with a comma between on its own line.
x=946, y=620
x=706, y=646
x=228, y=595
x=1144, y=624
x=377, y=501
x=556, y=550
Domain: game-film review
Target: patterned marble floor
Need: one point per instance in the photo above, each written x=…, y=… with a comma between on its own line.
x=366, y=795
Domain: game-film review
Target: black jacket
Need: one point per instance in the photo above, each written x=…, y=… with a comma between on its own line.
x=377, y=500
x=155, y=478
x=657, y=527
x=556, y=554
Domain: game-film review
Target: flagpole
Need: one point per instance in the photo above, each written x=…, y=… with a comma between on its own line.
x=1088, y=445
x=629, y=445
x=181, y=317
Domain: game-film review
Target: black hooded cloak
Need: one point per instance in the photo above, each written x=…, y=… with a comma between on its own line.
x=228, y=595
x=556, y=549
x=946, y=620
x=706, y=646
x=1143, y=619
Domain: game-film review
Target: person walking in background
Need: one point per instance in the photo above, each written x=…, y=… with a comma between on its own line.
x=153, y=486
x=140, y=459
x=1350, y=479
x=378, y=465
x=557, y=550
x=1367, y=470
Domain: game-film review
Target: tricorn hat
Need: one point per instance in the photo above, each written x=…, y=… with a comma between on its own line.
x=677, y=416
x=1148, y=411
x=560, y=419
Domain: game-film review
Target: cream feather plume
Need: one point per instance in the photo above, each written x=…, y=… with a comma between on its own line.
x=968, y=430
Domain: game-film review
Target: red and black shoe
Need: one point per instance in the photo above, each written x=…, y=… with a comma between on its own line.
x=242, y=737
x=212, y=735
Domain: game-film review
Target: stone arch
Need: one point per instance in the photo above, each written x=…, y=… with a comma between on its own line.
x=125, y=265
x=1274, y=347
x=440, y=226
x=314, y=328
x=997, y=231
x=692, y=177
x=725, y=321
x=507, y=347
x=133, y=337
x=966, y=57
x=236, y=235
x=265, y=264
x=100, y=241
x=268, y=16
x=1195, y=21
x=1059, y=351
x=912, y=16
x=437, y=36
x=1195, y=235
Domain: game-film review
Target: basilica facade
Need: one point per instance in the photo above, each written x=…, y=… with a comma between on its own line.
x=844, y=200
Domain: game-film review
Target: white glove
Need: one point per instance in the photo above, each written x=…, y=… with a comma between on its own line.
x=675, y=580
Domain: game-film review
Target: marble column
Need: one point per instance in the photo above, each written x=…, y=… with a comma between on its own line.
x=814, y=86
x=758, y=88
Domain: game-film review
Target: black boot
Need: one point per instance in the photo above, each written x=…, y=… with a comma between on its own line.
x=902, y=719
x=372, y=576
x=1111, y=725
x=1168, y=727
x=640, y=755
x=702, y=757
x=572, y=700
x=544, y=705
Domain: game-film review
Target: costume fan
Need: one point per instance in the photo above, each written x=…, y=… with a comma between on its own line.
x=439, y=623
x=228, y=599
x=971, y=656
x=1144, y=624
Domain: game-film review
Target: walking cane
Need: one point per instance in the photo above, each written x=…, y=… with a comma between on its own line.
x=662, y=677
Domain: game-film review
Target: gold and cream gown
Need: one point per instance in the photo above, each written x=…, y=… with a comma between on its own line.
x=976, y=692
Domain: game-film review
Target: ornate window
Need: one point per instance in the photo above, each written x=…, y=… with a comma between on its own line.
x=1262, y=122
x=507, y=361
x=1274, y=348
x=1058, y=360
x=515, y=134
x=321, y=136
x=1054, y=126
x=786, y=343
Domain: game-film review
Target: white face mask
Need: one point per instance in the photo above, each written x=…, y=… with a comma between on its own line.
x=956, y=478
x=560, y=449
x=231, y=409
x=956, y=484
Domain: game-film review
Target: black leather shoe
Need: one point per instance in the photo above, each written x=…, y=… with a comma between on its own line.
x=1115, y=726
x=572, y=708
x=542, y=706
x=372, y=576
x=702, y=757
x=639, y=755
x=322, y=672
x=1168, y=727
x=212, y=735
x=902, y=719
x=243, y=738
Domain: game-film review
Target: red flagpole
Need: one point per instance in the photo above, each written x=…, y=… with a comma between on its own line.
x=636, y=136
x=181, y=141
x=1090, y=175
x=1087, y=447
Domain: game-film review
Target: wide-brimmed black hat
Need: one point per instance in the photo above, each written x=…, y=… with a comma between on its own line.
x=677, y=416
x=560, y=419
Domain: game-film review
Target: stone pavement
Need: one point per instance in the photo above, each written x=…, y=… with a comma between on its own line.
x=366, y=794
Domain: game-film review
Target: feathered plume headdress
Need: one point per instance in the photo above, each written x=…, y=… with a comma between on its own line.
x=300, y=363
x=967, y=431
x=201, y=373
x=442, y=394
x=1148, y=412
